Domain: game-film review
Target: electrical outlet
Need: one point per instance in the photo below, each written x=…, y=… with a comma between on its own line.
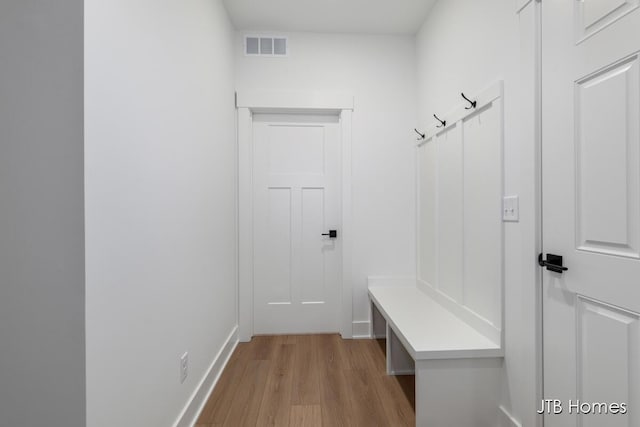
x=184, y=367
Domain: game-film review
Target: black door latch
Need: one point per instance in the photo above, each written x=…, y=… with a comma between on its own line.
x=332, y=234
x=552, y=263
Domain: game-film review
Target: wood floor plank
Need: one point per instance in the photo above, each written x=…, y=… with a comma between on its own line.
x=292, y=339
x=306, y=381
x=362, y=355
x=263, y=347
x=380, y=353
x=276, y=401
x=332, y=351
x=397, y=396
x=246, y=402
x=217, y=406
x=305, y=416
x=333, y=387
x=365, y=408
x=314, y=380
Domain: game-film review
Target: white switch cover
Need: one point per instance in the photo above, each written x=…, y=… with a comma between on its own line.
x=510, y=210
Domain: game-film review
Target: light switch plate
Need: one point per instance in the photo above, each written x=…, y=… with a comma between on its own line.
x=510, y=209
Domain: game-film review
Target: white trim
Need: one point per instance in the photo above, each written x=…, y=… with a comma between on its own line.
x=194, y=406
x=529, y=255
x=538, y=204
x=294, y=100
x=361, y=329
x=346, y=300
x=248, y=102
x=245, y=225
x=506, y=419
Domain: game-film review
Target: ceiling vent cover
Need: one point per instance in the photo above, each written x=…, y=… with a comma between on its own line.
x=265, y=46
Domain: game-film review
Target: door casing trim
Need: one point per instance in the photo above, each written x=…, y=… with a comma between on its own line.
x=248, y=103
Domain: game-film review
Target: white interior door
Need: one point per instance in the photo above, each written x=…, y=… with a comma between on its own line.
x=296, y=196
x=591, y=211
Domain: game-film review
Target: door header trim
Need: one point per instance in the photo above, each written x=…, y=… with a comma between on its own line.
x=293, y=100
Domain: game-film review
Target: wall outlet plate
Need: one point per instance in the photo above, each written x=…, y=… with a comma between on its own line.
x=184, y=367
x=510, y=209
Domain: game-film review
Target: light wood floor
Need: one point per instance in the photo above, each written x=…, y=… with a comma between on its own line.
x=311, y=380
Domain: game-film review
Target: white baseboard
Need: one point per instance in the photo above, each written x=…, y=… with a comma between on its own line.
x=361, y=329
x=507, y=420
x=199, y=398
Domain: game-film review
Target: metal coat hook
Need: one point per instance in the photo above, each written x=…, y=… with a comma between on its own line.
x=474, y=104
x=443, y=123
x=422, y=135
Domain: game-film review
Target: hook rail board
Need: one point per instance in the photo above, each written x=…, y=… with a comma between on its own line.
x=460, y=112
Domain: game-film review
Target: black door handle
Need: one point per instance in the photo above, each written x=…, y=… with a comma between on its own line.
x=552, y=263
x=332, y=234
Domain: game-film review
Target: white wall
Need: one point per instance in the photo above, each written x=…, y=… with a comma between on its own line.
x=380, y=72
x=42, y=362
x=465, y=45
x=160, y=203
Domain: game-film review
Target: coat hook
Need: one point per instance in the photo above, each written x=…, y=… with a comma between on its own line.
x=422, y=135
x=474, y=104
x=443, y=122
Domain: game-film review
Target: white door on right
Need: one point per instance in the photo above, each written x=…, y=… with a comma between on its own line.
x=591, y=211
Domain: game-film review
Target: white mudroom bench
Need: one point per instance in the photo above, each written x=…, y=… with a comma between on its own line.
x=456, y=366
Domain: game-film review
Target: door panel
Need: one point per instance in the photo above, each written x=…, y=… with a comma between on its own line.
x=276, y=270
x=608, y=357
x=296, y=149
x=296, y=200
x=591, y=209
x=313, y=263
x=595, y=15
x=607, y=160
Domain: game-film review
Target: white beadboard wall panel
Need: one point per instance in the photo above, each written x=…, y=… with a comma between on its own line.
x=427, y=212
x=467, y=195
x=462, y=46
x=450, y=200
x=483, y=260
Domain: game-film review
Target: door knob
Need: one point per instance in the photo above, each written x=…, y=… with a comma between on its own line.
x=332, y=234
x=552, y=263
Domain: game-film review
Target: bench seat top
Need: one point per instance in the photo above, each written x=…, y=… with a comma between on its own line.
x=428, y=330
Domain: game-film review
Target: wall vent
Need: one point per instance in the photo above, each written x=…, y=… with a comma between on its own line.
x=266, y=46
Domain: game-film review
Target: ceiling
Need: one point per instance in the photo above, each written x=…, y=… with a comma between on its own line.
x=330, y=16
